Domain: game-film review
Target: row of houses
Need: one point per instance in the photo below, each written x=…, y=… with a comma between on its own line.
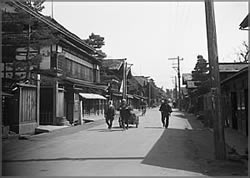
x=234, y=95
x=69, y=84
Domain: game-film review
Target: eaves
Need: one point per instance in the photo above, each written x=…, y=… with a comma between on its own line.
x=235, y=75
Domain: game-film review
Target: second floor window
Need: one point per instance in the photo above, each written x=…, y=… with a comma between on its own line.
x=76, y=70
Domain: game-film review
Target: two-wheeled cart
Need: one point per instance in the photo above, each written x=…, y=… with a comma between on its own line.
x=133, y=119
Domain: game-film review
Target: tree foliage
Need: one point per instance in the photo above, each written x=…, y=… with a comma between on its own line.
x=201, y=76
x=243, y=52
x=36, y=5
x=96, y=41
x=200, y=72
x=20, y=29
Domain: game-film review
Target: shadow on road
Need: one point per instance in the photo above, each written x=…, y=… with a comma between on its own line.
x=191, y=150
x=193, y=121
x=171, y=151
x=180, y=116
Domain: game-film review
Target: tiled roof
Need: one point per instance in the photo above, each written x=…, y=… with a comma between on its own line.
x=141, y=80
x=231, y=67
x=86, y=83
x=244, y=23
x=243, y=70
x=112, y=64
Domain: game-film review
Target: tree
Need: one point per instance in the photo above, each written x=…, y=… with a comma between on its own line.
x=21, y=30
x=36, y=5
x=200, y=69
x=243, y=52
x=96, y=41
x=201, y=76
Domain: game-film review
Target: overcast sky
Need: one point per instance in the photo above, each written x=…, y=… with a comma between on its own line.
x=149, y=33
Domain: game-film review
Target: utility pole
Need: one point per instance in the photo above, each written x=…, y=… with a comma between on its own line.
x=218, y=124
x=52, y=9
x=124, y=93
x=175, y=81
x=149, y=93
x=179, y=78
x=38, y=99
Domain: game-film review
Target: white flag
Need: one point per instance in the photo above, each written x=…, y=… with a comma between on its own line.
x=121, y=88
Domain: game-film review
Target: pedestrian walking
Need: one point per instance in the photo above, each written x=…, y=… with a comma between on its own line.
x=124, y=113
x=166, y=110
x=144, y=107
x=109, y=114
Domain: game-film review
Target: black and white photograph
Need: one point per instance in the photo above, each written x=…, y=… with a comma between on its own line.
x=124, y=88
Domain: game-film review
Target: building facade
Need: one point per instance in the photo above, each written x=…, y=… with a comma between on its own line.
x=63, y=88
x=235, y=95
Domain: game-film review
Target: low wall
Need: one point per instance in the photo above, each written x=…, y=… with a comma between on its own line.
x=92, y=117
x=25, y=128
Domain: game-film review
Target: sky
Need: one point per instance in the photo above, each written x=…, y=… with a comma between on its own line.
x=149, y=33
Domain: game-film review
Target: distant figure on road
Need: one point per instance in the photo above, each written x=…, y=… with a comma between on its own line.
x=124, y=113
x=109, y=114
x=143, y=107
x=174, y=104
x=166, y=110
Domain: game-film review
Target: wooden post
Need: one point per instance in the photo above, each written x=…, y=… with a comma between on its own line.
x=219, y=140
x=20, y=112
x=149, y=94
x=38, y=100
x=55, y=100
x=124, y=79
x=179, y=80
x=80, y=111
x=175, y=80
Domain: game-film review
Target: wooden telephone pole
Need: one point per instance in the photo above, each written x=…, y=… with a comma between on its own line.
x=179, y=79
x=175, y=83
x=218, y=124
x=124, y=93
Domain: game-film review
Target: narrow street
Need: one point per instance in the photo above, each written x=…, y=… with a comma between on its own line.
x=61, y=77
x=184, y=149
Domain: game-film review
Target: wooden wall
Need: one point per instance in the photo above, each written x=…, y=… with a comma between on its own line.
x=27, y=104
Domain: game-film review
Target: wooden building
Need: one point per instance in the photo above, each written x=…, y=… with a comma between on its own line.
x=68, y=70
x=235, y=94
x=228, y=69
x=21, y=103
x=244, y=25
x=112, y=75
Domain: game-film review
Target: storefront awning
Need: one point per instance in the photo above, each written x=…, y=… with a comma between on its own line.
x=117, y=94
x=85, y=84
x=140, y=97
x=6, y=94
x=92, y=96
x=130, y=96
